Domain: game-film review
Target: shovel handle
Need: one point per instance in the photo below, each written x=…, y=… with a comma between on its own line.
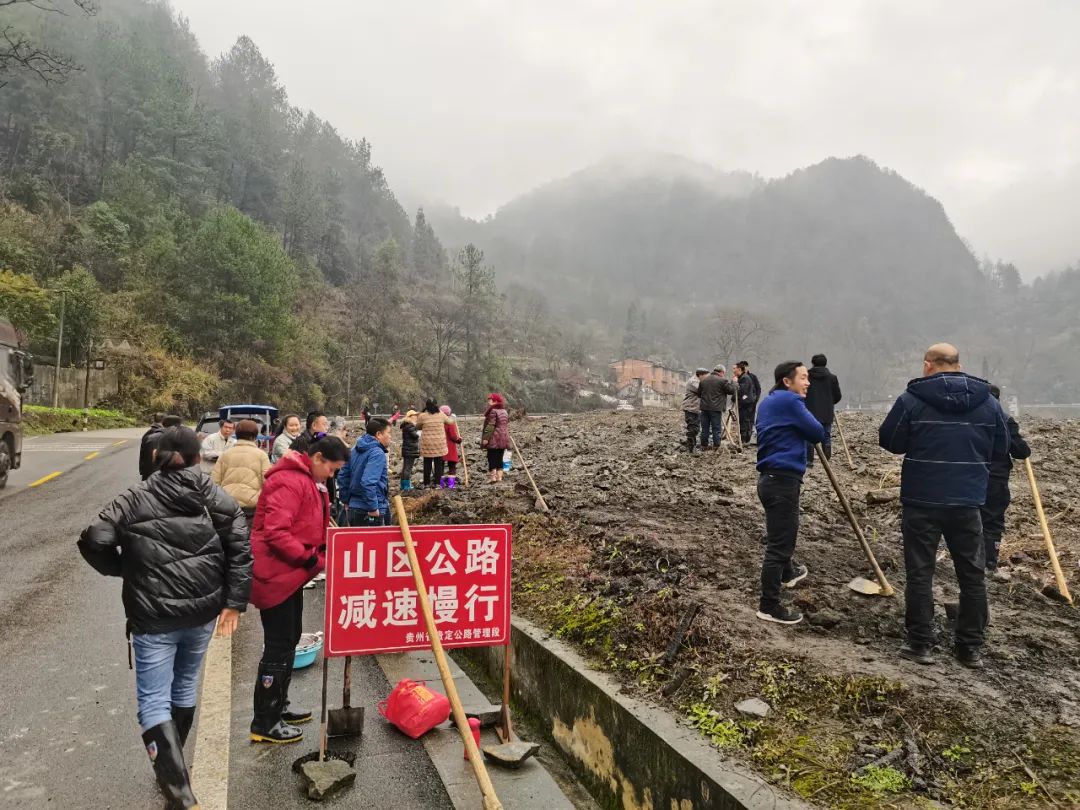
x=346, y=692
x=1054, y=562
x=886, y=588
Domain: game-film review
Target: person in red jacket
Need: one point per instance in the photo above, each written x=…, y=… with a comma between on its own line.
x=453, y=449
x=288, y=544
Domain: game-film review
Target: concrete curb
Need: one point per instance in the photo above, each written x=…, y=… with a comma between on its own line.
x=629, y=754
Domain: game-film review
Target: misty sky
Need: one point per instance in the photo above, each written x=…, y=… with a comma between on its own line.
x=472, y=102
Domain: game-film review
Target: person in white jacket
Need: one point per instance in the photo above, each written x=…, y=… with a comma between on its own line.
x=283, y=442
x=217, y=443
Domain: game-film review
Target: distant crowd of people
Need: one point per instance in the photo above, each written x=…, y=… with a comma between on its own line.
x=220, y=523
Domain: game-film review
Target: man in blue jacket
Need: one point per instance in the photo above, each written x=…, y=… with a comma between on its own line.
x=784, y=426
x=949, y=429
x=363, y=483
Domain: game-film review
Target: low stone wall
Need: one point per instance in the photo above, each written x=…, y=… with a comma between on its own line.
x=104, y=383
x=630, y=755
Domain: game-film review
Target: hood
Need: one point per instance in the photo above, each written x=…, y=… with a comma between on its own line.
x=186, y=491
x=368, y=444
x=292, y=462
x=819, y=373
x=950, y=391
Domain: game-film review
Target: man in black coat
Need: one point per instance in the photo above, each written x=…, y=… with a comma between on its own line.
x=949, y=430
x=821, y=401
x=749, y=393
x=713, y=391
x=146, y=446
x=998, y=496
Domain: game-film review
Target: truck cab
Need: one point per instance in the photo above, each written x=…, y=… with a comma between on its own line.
x=16, y=376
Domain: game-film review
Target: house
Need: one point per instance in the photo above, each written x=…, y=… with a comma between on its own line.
x=665, y=381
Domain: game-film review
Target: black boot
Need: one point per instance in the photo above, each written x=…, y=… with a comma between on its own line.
x=267, y=725
x=183, y=716
x=291, y=714
x=167, y=756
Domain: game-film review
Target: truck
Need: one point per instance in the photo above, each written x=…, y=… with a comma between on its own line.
x=16, y=376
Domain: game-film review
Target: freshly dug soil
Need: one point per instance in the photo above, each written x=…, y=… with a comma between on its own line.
x=640, y=531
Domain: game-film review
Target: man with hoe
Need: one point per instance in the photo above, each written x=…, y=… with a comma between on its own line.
x=949, y=429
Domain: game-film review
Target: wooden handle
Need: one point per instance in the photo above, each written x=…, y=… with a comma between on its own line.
x=322, y=713
x=886, y=588
x=843, y=440
x=460, y=720
x=532, y=480
x=1054, y=562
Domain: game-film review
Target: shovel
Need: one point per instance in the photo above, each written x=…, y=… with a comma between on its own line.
x=843, y=440
x=859, y=584
x=346, y=721
x=1055, y=563
x=510, y=753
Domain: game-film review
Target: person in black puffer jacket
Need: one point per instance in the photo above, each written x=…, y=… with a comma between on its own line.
x=180, y=543
x=821, y=401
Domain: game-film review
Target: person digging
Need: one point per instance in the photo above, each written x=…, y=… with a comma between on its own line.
x=784, y=426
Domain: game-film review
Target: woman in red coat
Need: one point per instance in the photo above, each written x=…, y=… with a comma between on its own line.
x=453, y=448
x=288, y=544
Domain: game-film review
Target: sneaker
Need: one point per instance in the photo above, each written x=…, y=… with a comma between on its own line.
x=970, y=657
x=798, y=576
x=917, y=653
x=780, y=615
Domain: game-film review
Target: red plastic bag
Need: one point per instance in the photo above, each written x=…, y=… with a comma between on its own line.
x=414, y=708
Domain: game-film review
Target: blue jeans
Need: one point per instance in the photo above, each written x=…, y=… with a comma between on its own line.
x=712, y=423
x=167, y=670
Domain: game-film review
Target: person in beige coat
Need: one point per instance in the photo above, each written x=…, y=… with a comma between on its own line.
x=432, y=426
x=241, y=468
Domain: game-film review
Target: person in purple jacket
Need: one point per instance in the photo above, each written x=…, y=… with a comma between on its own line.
x=784, y=426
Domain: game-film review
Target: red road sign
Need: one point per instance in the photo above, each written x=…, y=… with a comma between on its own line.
x=371, y=598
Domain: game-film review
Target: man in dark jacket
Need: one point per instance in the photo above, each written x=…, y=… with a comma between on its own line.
x=748, y=399
x=364, y=481
x=691, y=406
x=784, y=426
x=949, y=429
x=713, y=391
x=821, y=401
x=998, y=496
x=146, y=446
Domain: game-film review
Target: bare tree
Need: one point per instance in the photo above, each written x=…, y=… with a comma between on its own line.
x=738, y=334
x=19, y=52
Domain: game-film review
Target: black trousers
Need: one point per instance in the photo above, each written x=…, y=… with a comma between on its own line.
x=693, y=425
x=923, y=529
x=433, y=465
x=779, y=494
x=826, y=446
x=992, y=512
x=282, y=626
x=406, y=467
x=746, y=423
x=495, y=459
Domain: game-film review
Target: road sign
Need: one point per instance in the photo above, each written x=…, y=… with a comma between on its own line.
x=371, y=599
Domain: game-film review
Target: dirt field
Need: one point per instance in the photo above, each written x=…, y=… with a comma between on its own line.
x=640, y=532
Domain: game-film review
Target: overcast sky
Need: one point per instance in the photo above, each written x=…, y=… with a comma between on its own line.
x=473, y=102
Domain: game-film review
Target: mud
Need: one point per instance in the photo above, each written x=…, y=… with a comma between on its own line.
x=639, y=531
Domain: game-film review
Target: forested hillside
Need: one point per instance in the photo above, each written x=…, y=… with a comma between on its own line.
x=242, y=246
x=692, y=265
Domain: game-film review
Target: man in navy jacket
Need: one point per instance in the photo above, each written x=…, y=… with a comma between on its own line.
x=949, y=429
x=363, y=483
x=784, y=426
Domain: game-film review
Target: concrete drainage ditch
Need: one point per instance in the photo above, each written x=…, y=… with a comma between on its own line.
x=628, y=754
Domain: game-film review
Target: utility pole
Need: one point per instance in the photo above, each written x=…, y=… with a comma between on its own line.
x=59, y=346
x=348, y=383
x=86, y=385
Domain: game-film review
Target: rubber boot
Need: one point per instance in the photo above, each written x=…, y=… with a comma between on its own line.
x=442, y=483
x=183, y=716
x=267, y=725
x=406, y=485
x=167, y=756
x=292, y=714
x=451, y=482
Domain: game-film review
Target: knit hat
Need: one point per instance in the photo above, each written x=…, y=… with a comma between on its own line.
x=445, y=409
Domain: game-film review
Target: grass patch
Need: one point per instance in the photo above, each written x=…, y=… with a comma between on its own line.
x=39, y=420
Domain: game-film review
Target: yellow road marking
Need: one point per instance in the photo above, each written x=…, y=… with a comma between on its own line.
x=92, y=455
x=46, y=479
x=117, y=444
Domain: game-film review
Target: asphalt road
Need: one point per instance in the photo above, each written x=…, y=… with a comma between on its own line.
x=69, y=737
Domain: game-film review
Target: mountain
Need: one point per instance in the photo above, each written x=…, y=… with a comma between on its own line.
x=816, y=253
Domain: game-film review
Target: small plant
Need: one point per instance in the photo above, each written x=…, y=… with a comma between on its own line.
x=714, y=685
x=774, y=678
x=881, y=781
x=721, y=732
x=956, y=752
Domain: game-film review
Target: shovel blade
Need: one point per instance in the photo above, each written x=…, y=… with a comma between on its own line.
x=862, y=585
x=348, y=722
